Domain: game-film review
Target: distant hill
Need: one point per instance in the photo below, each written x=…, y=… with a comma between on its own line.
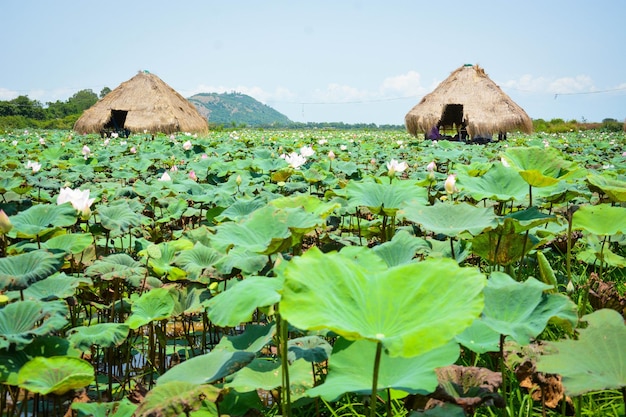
x=235, y=108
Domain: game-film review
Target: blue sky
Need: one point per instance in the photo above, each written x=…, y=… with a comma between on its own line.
x=352, y=61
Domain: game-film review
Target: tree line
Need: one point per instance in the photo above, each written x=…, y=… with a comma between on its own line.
x=22, y=112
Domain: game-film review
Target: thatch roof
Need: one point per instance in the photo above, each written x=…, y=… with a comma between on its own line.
x=145, y=102
x=486, y=109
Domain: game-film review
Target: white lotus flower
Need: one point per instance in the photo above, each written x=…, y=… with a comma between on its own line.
x=35, y=166
x=450, y=184
x=295, y=160
x=79, y=199
x=432, y=167
x=187, y=145
x=394, y=166
x=165, y=177
x=86, y=151
x=307, y=151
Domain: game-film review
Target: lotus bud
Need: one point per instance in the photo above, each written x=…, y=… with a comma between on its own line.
x=431, y=167
x=450, y=184
x=5, y=223
x=238, y=180
x=331, y=155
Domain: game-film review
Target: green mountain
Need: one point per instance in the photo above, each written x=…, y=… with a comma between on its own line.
x=235, y=108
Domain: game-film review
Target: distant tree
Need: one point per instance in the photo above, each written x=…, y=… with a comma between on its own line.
x=23, y=106
x=104, y=92
x=82, y=100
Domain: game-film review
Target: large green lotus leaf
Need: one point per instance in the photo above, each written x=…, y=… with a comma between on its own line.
x=410, y=308
x=208, y=368
x=522, y=310
x=614, y=188
x=156, y=304
x=163, y=264
x=240, y=209
x=237, y=304
x=563, y=192
x=18, y=271
x=602, y=219
x=57, y=286
x=308, y=203
x=171, y=209
x=596, y=360
x=499, y=183
x=123, y=408
x=266, y=374
x=597, y=251
x=540, y=167
x=21, y=321
x=190, y=299
x=198, y=261
x=118, y=217
x=55, y=375
x=263, y=232
x=452, y=219
x=73, y=243
x=351, y=363
x=253, y=338
x=116, y=266
x=401, y=249
x=101, y=334
x=39, y=219
x=9, y=183
x=479, y=338
x=176, y=398
x=241, y=259
x=383, y=198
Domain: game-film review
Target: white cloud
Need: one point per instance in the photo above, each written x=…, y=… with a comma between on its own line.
x=564, y=85
x=397, y=86
x=6, y=94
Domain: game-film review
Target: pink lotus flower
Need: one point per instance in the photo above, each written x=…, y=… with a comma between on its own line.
x=431, y=167
x=133, y=150
x=192, y=175
x=5, y=223
x=331, y=155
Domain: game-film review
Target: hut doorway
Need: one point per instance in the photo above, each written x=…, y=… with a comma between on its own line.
x=452, y=122
x=116, y=124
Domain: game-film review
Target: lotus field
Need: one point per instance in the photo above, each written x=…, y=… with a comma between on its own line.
x=312, y=273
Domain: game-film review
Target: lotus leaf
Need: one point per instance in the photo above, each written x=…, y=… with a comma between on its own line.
x=239, y=258
x=266, y=374
x=602, y=219
x=197, y=261
x=237, y=304
x=123, y=408
x=176, y=398
x=350, y=370
x=410, y=309
x=115, y=266
x=57, y=286
x=18, y=271
x=540, y=167
x=401, y=249
x=254, y=338
x=101, y=334
x=118, y=217
x=163, y=264
x=452, y=219
x=156, y=304
x=615, y=189
x=593, y=362
x=263, y=232
x=384, y=199
x=310, y=348
x=522, y=310
x=40, y=219
x=55, y=375
x=207, y=368
x=498, y=183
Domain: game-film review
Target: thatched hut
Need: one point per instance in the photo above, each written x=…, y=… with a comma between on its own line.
x=143, y=103
x=468, y=99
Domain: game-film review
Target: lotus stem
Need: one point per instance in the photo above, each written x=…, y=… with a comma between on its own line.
x=379, y=349
x=286, y=388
